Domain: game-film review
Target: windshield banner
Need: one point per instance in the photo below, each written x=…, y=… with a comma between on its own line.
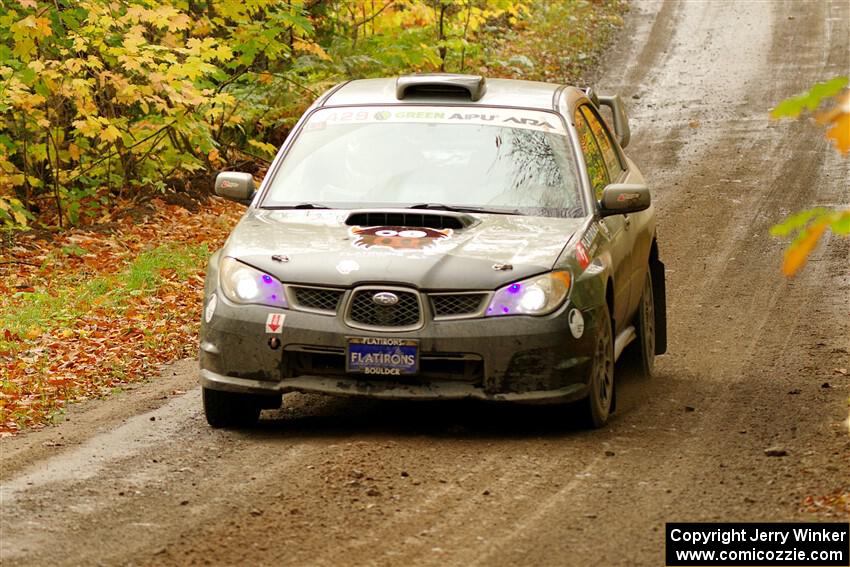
x=485, y=116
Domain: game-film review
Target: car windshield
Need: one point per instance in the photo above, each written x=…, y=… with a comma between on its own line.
x=487, y=159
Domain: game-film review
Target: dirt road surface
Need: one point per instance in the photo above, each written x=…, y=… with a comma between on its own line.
x=754, y=362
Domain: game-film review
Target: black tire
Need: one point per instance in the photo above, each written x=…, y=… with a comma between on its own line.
x=599, y=402
x=229, y=409
x=643, y=358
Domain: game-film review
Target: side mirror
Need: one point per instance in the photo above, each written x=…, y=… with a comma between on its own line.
x=235, y=186
x=624, y=198
x=621, y=120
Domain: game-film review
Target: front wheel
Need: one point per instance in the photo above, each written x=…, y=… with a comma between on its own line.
x=643, y=360
x=230, y=409
x=597, y=405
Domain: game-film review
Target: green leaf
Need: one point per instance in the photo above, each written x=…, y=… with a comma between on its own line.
x=28, y=75
x=842, y=224
x=792, y=107
x=266, y=147
x=795, y=222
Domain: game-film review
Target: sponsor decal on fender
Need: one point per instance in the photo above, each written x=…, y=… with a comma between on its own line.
x=581, y=256
x=576, y=320
x=590, y=235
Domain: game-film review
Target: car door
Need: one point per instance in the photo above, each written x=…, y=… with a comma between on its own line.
x=631, y=229
x=614, y=226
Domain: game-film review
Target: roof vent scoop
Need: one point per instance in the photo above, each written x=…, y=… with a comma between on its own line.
x=441, y=84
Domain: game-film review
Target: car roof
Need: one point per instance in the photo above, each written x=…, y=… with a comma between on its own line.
x=495, y=92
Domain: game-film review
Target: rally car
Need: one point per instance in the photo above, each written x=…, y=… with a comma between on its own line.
x=437, y=236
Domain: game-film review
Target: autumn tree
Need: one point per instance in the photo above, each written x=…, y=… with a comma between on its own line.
x=101, y=98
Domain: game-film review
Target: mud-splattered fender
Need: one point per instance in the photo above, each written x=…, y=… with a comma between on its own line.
x=589, y=284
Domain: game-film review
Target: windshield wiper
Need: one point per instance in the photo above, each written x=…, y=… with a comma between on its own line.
x=299, y=206
x=462, y=209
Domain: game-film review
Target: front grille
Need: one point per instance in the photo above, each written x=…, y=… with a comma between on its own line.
x=457, y=304
x=317, y=298
x=363, y=311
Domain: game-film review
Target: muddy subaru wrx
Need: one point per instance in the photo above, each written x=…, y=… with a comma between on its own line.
x=437, y=237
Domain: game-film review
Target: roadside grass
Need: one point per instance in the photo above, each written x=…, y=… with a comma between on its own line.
x=82, y=314
x=66, y=298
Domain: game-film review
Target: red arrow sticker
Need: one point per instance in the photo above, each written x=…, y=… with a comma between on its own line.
x=274, y=323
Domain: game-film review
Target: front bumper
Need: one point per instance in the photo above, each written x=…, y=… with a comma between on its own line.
x=512, y=359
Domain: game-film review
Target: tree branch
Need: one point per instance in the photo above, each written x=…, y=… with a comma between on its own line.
x=113, y=154
x=285, y=78
x=373, y=16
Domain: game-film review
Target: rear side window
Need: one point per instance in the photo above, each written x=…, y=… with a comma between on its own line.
x=592, y=156
x=606, y=145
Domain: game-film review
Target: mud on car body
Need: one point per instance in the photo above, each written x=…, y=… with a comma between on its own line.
x=437, y=237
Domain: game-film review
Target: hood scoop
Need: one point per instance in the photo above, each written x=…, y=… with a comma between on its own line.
x=411, y=219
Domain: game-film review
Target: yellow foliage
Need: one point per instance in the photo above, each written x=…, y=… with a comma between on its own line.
x=28, y=101
x=41, y=27
x=74, y=65
x=797, y=254
x=94, y=63
x=166, y=16
x=110, y=134
x=133, y=39
x=839, y=117
x=80, y=43
x=311, y=47
x=27, y=32
x=89, y=126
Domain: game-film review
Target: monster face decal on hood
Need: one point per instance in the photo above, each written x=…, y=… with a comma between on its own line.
x=397, y=237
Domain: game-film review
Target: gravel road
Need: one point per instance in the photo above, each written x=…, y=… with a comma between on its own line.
x=754, y=362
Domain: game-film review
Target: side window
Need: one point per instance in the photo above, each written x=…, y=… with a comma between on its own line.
x=612, y=160
x=592, y=156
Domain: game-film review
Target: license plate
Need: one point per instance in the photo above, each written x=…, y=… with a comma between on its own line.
x=382, y=357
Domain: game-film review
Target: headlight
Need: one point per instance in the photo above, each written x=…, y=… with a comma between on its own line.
x=244, y=284
x=535, y=296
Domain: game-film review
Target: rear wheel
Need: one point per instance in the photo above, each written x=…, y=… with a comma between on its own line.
x=230, y=409
x=598, y=404
x=643, y=359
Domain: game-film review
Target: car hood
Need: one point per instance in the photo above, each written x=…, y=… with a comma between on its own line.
x=317, y=247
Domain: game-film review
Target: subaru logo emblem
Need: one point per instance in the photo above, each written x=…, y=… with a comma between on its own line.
x=385, y=298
